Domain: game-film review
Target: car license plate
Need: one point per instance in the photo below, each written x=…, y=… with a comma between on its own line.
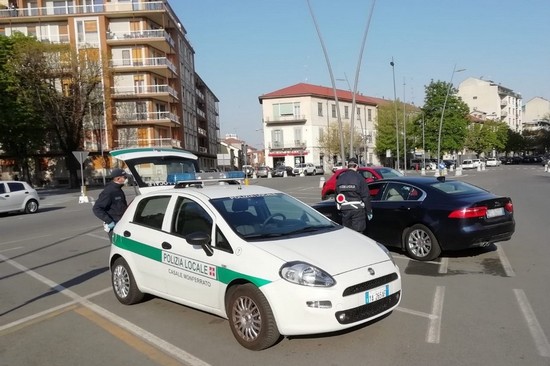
x=494, y=212
x=377, y=294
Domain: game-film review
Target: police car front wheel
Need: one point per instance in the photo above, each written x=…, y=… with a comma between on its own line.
x=251, y=318
x=124, y=284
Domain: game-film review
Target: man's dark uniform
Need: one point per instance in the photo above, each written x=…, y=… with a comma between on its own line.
x=111, y=203
x=353, y=199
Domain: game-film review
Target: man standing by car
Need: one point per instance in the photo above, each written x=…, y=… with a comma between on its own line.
x=111, y=204
x=353, y=198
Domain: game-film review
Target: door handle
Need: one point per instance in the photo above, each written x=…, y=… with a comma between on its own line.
x=166, y=245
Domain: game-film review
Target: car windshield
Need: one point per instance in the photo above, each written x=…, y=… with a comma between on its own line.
x=457, y=187
x=271, y=216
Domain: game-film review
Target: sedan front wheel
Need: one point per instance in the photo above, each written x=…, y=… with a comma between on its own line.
x=421, y=244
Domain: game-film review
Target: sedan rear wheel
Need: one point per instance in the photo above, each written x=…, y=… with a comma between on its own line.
x=421, y=244
x=251, y=318
x=124, y=284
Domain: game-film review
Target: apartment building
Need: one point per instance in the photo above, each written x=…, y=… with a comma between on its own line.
x=493, y=100
x=536, y=114
x=153, y=96
x=295, y=118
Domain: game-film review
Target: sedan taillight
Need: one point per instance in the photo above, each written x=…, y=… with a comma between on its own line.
x=469, y=213
x=509, y=207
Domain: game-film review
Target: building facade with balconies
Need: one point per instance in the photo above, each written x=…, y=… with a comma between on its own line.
x=297, y=117
x=497, y=102
x=152, y=94
x=536, y=114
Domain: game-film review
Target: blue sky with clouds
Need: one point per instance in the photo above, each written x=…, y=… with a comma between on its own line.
x=246, y=48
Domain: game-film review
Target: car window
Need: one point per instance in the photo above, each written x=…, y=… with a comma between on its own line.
x=16, y=186
x=150, y=211
x=389, y=173
x=457, y=187
x=190, y=217
x=367, y=174
x=376, y=190
x=2, y=188
x=394, y=192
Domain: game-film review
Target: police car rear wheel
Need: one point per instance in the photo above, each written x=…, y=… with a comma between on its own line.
x=251, y=318
x=421, y=244
x=124, y=284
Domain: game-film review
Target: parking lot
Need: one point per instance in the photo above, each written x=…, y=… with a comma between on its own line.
x=486, y=306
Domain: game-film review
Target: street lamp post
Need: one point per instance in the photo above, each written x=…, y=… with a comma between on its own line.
x=395, y=103
x=442, y=114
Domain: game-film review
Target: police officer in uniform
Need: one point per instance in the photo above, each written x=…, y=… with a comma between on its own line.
x=352, y=198
x=111, y=204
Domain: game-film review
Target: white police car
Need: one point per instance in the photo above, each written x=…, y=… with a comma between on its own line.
x=267, y=262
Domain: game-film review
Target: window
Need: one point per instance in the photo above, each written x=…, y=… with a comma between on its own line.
x=277, y=138
x=286, y=109
x=358, y=114
x=150, y=211
x=2, y=188
x=346, y=112
x=320, y=109
x=15, y=186
x=334, y=111
x=190, y=217
x=369, y=115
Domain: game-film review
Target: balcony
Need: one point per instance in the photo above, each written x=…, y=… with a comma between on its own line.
x=276, y=145
x=160, y=142
x=503, y=102
x=160, y=64
x=166, y=118
x=66, y=9
x=283, y=120
x=156, y=37
x=161, y=92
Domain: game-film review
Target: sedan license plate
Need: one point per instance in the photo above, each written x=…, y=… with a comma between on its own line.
x=377, y=294
x=494, y=212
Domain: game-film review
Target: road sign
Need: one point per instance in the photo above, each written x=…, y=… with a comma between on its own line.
x=81, y=155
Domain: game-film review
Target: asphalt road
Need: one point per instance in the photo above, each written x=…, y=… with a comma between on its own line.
x=480, y=307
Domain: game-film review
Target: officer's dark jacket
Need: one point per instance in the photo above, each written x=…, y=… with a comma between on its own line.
x=111, y=204
x=353, y=186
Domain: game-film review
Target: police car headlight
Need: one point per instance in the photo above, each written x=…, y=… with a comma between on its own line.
x=305, y=274
x=388, y=253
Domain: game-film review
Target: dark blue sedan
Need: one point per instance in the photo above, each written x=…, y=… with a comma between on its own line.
x=425, y=215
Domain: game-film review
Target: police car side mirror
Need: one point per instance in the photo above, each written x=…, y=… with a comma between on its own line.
x=200, y=238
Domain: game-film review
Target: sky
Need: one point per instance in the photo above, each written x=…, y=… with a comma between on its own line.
x=247, y=48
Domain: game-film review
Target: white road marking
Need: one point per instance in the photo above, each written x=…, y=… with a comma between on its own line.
x=26, y=239
x=177, y=353
x=444, y=265
x=414, y=312
x=434, y=329
x=6, y=250
x=505, y=262
x=102, y=237
x=537, y=333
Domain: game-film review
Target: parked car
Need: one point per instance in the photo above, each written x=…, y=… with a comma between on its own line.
x=253, y=255
x=281, y=169
x=338, y=166
x=18, y=196
x=319, y=169
x=476, y=163
x=248, y=170
x=304, y=168
x=371, y=173
x=467, y=164
x=492, y=162
x=263, y=171
x=425, y=215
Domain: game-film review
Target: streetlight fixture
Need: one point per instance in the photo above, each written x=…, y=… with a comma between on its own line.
x=395, y=103
x=442, y=114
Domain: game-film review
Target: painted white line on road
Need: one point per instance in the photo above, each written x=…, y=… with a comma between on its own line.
x=41, y=314
x=434, y=329
x=103, y=237
x=534, y=326
x=6, y=250
x=26, y=239
x=505, y=262
x=178, y=353
x=444, y=265
x=414, y=312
